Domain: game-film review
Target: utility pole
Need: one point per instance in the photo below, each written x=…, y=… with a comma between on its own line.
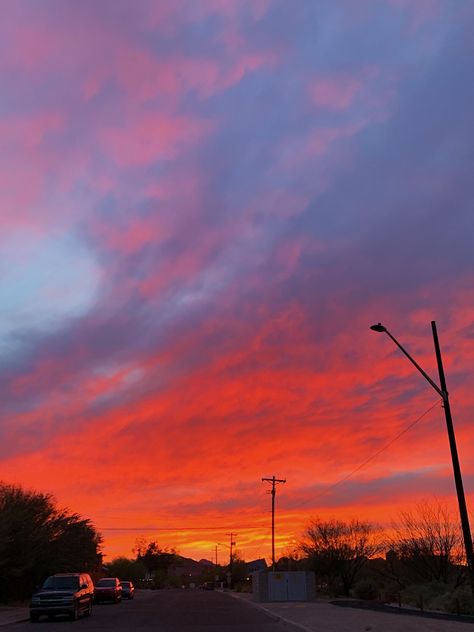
x=272, y=491
x=231, y=556
x=466, y=529
x=216, y=557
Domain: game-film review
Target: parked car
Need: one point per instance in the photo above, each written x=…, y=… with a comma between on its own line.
x=128, y=590
x=208, y=586
x=108, y=589
x=64, y=593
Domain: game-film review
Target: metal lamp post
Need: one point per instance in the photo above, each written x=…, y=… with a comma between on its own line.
x=443, y=392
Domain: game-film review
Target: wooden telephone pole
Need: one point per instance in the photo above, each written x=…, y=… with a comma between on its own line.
x=272, y=491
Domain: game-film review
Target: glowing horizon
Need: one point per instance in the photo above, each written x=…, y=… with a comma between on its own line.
x=205, y=206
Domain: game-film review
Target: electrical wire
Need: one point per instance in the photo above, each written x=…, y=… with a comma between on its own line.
x=312, y=499
x=370, y=458
x=221, y=528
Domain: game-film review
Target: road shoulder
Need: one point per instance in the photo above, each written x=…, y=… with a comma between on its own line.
x=13, y=614
x=323, y=616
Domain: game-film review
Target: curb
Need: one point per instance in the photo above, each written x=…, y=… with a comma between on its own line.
x=291, y=625
x=18, y=619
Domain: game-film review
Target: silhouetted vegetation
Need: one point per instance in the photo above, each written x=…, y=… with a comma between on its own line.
x=418, y=562
x=337, y=551
x=126, y=569
x=37, y=539
x=426, y=546
x=155, y=560
x=239, y=571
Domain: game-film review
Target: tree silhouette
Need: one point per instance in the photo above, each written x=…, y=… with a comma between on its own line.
x=37, y=539
x=338, y=551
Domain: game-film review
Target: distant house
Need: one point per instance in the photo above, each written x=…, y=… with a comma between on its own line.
x=188, y=570
x=256, y=565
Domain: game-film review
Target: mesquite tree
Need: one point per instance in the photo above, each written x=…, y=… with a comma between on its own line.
x=338, y=551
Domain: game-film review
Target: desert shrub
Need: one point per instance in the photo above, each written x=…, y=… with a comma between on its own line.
x=390, y=592
x=458, y=601
x=366, y=589
x=424, y=596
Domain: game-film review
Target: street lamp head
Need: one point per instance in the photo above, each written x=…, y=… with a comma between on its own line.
x=378, y=327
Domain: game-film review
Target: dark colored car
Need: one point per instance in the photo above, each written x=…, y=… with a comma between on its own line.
x=64, y=593
x=128, y=590
x=108, y=589
x=208, y=586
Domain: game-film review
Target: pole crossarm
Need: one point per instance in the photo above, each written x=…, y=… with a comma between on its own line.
x=231, y=555
x=273, y=480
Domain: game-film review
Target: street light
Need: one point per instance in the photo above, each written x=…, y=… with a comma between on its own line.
x=443, y=392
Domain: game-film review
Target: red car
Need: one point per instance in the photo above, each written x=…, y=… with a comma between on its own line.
x=108, y=589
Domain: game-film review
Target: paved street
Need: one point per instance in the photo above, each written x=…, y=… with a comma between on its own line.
x=167, y=611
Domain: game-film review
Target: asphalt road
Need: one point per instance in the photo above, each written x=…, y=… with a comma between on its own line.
x=166, y=611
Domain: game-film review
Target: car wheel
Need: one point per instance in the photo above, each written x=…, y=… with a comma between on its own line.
x=88, y=612
x=34, y=617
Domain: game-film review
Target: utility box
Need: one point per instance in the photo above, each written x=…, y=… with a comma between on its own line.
x=287, y=586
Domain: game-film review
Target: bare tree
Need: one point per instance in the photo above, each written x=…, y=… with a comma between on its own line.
x=427, y=545
x=338, y=551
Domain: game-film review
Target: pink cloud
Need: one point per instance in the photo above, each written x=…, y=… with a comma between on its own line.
x=277, y=202
x=321, y=142
x=419, y=13
x=270, y=376
x=341, y=90
x=27, y=133
x=113, y=52
x=244, y=333
x=26, y=161
x=335, y=93
x=231, y=8
x=151, y=137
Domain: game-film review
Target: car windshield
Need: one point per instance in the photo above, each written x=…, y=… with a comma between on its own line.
x=106, y=582
x=60, y=583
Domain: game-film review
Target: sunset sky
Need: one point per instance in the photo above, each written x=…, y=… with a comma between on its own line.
x=205, y=204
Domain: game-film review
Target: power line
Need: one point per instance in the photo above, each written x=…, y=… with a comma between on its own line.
x=370, y=458
x=224, y=528
x=319, y=495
